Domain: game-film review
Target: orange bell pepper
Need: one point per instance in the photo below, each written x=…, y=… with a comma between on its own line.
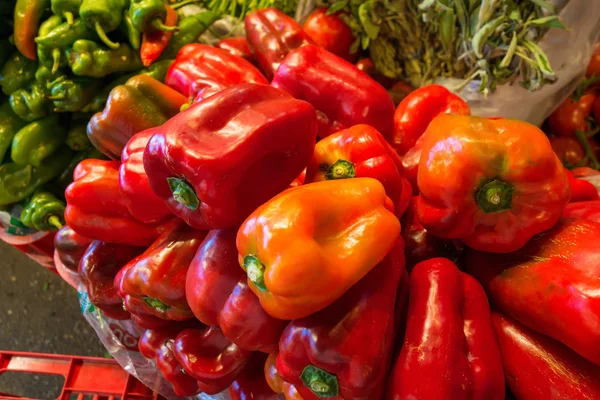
x=307, y=246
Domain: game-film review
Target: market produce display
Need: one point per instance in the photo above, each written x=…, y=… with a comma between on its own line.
x=297, y=213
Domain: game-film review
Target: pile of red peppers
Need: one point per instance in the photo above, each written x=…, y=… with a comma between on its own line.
x=292, y=234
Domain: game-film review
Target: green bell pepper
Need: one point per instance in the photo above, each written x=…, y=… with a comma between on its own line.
x=38, y=140
x=103, y=16
x=30, y=104
x=189, y=29
x=10, y=123
x=44, y=212
x=73, y=94
x=51, y=57
x=77, y=138
x=17, y=73
x=87, y=58
x=68, y=9
x=133, y=35
x=65, y=35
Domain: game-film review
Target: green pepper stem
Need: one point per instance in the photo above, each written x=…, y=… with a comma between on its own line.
x=69, y=17
x=156, y=304
x=57, y=97
x=158, y=24
x=183, y=193
x=55, y=60
x=320, y=382
x=55, y=222
x=582, y=137
x=494, y=196
x=104, y=38
x=256, y=272
x=341, y=169
x=184, y=3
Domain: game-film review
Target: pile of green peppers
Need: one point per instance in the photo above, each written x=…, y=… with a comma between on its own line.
x=83, y=48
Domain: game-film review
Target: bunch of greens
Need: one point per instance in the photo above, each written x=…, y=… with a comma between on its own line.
x=490, y=41
x=239, y=8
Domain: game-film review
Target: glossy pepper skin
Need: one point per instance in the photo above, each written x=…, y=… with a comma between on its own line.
x=17, y=73
x=271, y=35
x=549, y=285
x=64, y=35
x=44, y=212
x=305, y=233
x=30, y=104
x=157, y=277
x=508, y=183
x=276, y=382
x=189, y=29
x=234, y=133
x=10, y=124
x=28, y=14
x=65, y=178
x=572, y=115
x=251, y=383
x=139, y=104
x=96, y=209
x=539, y=368
x=18, y=181
x=200, y=71
x=581, y=190
x=218, y=294
x=50, y=57
x=154, y=42
x=589, y=210
x=141, y=201
x=330, y=32
x=236, y=46
x=343, y=95
x=72, y=95
x=38, y=140
x=97, y=269
x=449, y=349
x=87, y=58
x=68, y=9
x=148, y=15
x=103, y=16
x=70, y=247
x=207, y=356
x=323, y=362
x=361, y=152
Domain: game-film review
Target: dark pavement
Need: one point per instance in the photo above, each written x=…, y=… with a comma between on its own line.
x=39, y=312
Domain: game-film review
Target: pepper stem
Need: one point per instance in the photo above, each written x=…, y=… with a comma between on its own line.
x=341, y=169
x=494, y=196
x=320, y=382
x=104, y=38
x=69, y=17
x=256, y=272
x=159, y=25
x=183, y=193
x=55, y=60
x=184, y=3
x=57, y=97
x=156, y=304
x=582, y=137
x=55, y=222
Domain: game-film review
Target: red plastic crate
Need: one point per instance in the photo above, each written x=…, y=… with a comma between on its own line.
x=84, y=376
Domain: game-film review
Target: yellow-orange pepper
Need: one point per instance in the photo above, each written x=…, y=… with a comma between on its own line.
x=305, y=247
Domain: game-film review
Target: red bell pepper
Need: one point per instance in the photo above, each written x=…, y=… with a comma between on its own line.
x=199, y=71
x=449, y=349
x=568, y=150
x=492, y=183
x=251, y=383
x=141, y=201
x=330, y=32
x=572, y=115
x=218, y=294
x=276, y=382
x=207, y=356
x=581, y=190
x=584, y=171
x=70, y=247
x=360, y=152
x=271, y=35
x=343, y=95
x=322, y=360
x=157, y=277
x=236, y=46
x=97, y=269
x=539, y=368
x=550, y=285
x=236, y=134
x=421, y=245
x=589, y=210
x=96, y=209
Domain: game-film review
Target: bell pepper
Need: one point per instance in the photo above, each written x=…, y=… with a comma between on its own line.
x=67, y=9
x=251, y=383
x=104, y=16
x=30, y=104
x=38, y=140
x=10, y=124
x=276, y=382
x=218, y=294
x=97, y=269
x=141, y=201
x=77, y=139
x=271, y=35
x=19, y=181
x=87, y=58
x=581, y=190
x=539, y=368
x=70, y=247
x=507, y=186
x=291, y=247
x=421, y=245
x=59, y=38
x=17, y=73
x=134, y=36
x=157, y=277
x=200, y=71
x=149, y=15
x=141, y=103
x=368, y=67
x=449, y=349
x=154, y=42
x=97, y=210
x=28, y=14
x=330, y=32
x=65, y=178
x=323, y=362
x=572, y=115
x=72, y=95
x=589, y=210
x=361, y=152
x=207, y=356
x=343, y=95
x=50, y=57
x=568, y=150
x=399, y=91
x=189, y=30
x=549, y=285
x=236, y=46
x=44, y=212
x=235, y=133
